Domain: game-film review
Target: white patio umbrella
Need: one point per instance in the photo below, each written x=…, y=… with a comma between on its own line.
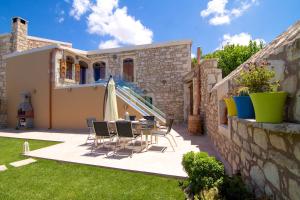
x=111, y=108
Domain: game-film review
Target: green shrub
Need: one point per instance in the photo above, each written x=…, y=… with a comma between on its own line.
x=204, y=172
x=257, y=79
x=233, y=188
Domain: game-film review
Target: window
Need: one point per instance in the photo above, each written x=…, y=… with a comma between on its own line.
x=83, y=70
x=128, y=70
x=69, y=66
x=99, y=70
x=149, y=101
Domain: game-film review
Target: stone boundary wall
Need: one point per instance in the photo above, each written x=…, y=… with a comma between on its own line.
x=269, y=161
x=266, y=155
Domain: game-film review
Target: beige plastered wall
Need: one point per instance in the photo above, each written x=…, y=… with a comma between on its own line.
x=70, y=106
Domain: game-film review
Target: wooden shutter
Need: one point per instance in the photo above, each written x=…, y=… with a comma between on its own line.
x=63, y=66
x=77, y=72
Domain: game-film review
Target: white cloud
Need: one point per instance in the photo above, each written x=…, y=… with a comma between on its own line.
x=61, y=20
x=193, y=55
x=109, y=44
x=240, y=39
x=218, y=13
x=107, y=18
x=60, y=13
x=79, y=7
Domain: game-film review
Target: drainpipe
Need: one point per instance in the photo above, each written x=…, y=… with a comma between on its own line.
x=199, y=52
x=194, y=123
x=51, y=64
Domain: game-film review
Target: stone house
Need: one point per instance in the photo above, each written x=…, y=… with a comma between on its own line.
x=266, y=155
x=157, y=70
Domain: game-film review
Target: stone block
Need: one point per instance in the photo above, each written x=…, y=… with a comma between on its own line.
x=234, y=125
x=285, y=162
x=245, y=156
x=278, y=142
x=268, y=191
x=211, y=79
x=297, y=150
x=246, y=146
x=260, y=138
x=255, y=149
x=237, y=140
x=272, y=174
x=3, y=168
x=257, y=176
x=297, y=106
x=290, y=84
x=242, y=130
x=294, y=189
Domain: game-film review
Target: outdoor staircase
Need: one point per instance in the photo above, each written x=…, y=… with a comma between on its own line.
x=132, y=95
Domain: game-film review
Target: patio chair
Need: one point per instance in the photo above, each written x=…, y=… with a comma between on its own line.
x=150, y=122
x=89, y=122
x=125, y=131
x=102, y=131
x=166, y=133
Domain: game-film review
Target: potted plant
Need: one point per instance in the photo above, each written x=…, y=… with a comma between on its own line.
x=231, y=107
x=268, y=103
x=244, y=104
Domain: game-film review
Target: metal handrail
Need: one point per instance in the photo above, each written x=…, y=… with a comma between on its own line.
x=131, y=91
x=144, y=101
x=144, y=107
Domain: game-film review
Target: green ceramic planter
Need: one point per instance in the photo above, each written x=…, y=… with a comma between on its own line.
x=268, y=107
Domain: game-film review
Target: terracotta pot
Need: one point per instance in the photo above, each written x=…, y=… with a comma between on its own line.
x=194, y=125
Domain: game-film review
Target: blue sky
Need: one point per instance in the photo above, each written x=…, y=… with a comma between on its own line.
x=92, y=24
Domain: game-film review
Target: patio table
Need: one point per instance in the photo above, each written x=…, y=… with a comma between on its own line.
x=147, y=131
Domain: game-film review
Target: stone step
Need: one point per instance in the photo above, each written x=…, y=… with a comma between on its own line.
x=23, y=162
x=3, y=168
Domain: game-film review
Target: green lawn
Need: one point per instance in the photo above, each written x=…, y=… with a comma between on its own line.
x=47, y=179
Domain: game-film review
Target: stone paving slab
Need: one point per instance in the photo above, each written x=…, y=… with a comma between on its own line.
x=74, y=150
x=22, y=162
x=3, y=168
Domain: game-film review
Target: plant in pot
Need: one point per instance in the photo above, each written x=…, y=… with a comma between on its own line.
x=268, y=103
x=231, y=107
x=244, y=104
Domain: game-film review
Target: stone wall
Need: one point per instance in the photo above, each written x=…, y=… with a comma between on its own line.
x=210, y=75
x=34, y=42
x=158, y=71
x=266, y=155
x=5, y=47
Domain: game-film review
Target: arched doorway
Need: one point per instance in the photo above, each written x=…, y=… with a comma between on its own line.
x=128, y=70
x=83, y=70
x=99, y=70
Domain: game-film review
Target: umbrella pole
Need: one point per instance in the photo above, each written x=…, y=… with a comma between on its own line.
x=105, y=97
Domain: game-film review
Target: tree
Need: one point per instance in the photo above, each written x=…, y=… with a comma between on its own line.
x=194, y=62
x=232, y=56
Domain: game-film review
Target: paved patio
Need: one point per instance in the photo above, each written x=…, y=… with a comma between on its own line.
x=73, y=149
